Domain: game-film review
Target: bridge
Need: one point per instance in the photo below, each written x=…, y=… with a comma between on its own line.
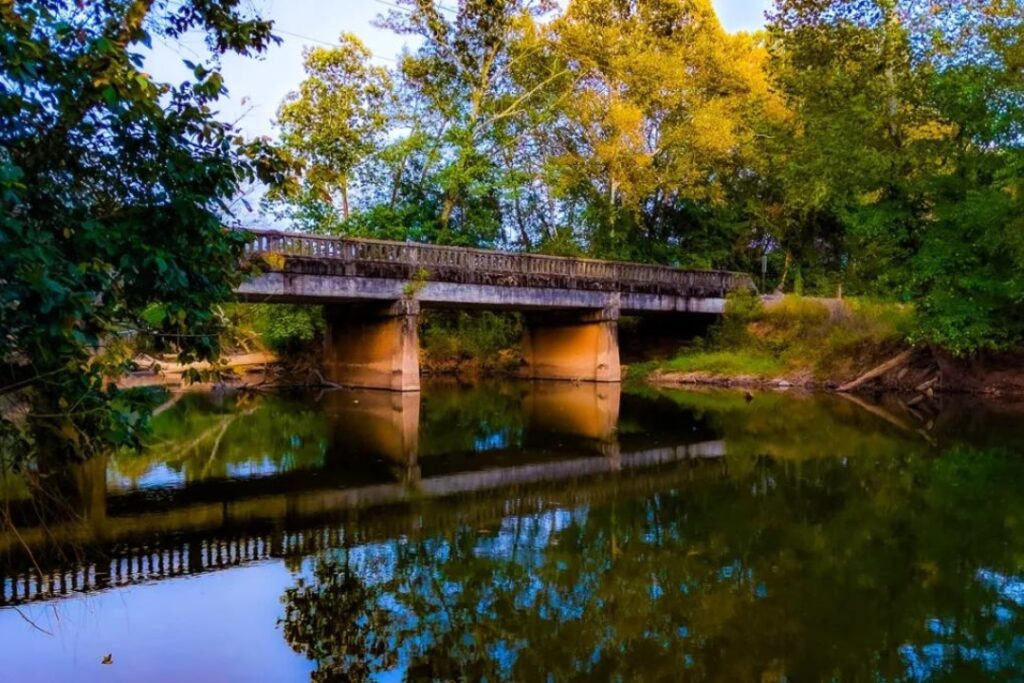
x=373, y=292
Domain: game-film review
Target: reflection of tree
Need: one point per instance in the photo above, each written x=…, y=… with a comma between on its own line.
x=336, y=620
x=888, y=566
x=211, y=437
x=458, y=419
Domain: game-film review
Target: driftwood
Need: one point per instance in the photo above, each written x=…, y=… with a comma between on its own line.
x=916, y=401
x=877, y=372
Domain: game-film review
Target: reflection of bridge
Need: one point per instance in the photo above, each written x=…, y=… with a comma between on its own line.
x=375, y=290
x=122, y=540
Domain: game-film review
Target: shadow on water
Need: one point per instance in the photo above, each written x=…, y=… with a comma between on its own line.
x=508, y=531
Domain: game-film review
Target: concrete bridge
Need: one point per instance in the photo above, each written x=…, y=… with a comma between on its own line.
x=374, y=290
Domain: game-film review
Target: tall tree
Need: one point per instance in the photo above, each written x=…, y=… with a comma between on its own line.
x=337, y=118
x=462, y=79
x=657, y=122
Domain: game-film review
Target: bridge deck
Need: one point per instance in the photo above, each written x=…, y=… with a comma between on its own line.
x=304, y=268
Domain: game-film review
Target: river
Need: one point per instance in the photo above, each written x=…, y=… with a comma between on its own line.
x=527, y=532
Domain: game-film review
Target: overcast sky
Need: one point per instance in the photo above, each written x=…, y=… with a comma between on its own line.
x=257, y=86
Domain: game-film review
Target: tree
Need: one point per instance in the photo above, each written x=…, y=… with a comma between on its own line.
x=337, y=118
x=906, y=160
x=461, y=84
x=655, y=121
x=112, y=187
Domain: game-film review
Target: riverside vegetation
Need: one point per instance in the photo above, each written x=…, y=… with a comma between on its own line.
x=793, y=340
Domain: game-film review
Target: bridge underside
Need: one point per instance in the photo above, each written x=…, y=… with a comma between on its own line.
x=373, y=342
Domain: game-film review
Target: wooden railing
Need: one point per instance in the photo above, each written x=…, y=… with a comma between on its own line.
x=468, y=265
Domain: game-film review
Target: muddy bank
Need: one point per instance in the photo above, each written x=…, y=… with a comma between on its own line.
x=921, y=372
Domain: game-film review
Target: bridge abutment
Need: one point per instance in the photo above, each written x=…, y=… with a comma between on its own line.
x=573, y=345
x=374, y=345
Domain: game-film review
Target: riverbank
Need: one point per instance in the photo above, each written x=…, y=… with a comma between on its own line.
x=829, y=345
x=761, y=343
x=922, y=371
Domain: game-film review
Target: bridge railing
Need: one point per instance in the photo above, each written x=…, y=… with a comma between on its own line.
x=477, y=261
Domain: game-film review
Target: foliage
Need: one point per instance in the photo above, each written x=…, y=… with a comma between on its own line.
x=416, y=283
x=112, y=188
x=284, y=328
x=337, y=118
x=462, y=335
x=907, y=160
x=868, y=147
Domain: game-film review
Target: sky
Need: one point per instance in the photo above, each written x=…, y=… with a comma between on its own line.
x=257, y=86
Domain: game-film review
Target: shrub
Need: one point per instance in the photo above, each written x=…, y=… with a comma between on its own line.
x=741, y=309
x=284, y=328
x=470, y=336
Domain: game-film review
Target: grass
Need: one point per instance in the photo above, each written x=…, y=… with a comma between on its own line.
x=727, y=362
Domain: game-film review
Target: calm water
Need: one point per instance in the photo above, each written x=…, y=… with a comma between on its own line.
x=527, y=532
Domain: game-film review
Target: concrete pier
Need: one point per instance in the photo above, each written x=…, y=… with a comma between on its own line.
x=580, y=346
x=374, y=345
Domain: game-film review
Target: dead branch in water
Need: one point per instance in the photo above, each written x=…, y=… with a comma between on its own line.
x=324, y=382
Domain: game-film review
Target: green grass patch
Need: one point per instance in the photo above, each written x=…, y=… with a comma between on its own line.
x=727, y=362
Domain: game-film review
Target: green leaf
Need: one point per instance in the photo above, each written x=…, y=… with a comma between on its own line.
x=154, y=314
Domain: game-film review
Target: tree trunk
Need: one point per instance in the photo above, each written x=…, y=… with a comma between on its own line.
x=785, y=272
x=397, y=183
x=446, y=212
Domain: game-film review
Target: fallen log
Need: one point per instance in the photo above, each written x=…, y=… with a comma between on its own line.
x=885, y=367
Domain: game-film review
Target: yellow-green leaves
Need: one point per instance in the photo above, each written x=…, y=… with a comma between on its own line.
x=337, y=117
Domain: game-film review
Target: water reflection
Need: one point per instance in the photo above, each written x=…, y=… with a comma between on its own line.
x=516, y=532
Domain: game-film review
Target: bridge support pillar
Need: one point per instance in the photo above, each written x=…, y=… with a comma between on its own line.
x=580, y=346
x=373, y=346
